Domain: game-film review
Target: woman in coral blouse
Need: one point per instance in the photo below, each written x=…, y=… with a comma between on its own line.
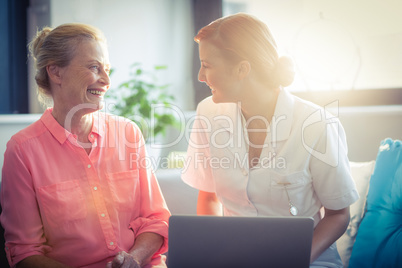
x=75, y=191
x=257, y=150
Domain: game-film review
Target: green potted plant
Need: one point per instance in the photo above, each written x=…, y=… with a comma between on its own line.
x=142, y=100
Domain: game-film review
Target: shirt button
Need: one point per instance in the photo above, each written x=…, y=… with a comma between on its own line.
x=244, y=172
x=95, y=188
x=103, y=215
x=92, y=135
x=111, y=243
x=89, y=166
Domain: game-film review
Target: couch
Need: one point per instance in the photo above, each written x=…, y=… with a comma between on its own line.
x=182, y=199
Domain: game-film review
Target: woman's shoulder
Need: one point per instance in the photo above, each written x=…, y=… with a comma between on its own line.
x=110, y=118
x=112, y=122
x=32, y=131
x=313, y=121
x=308, y=111
x=304, y=105
x=207, y=107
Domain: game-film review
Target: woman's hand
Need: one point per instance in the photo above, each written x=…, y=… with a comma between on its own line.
x=145, y=246
x=123, y=260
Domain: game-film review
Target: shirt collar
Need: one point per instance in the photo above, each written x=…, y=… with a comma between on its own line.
x=281, y=123
x=58, y=132
x=61, y=134
x=99, y=122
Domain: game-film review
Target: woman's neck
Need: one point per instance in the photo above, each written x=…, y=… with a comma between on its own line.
x=79, y=124
x=261, y=103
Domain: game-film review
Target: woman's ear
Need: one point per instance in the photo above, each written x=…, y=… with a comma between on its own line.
x=54, y=73
x=244, y=69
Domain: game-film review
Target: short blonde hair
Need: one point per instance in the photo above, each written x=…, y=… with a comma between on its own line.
x=57, y=46
x=243, y=36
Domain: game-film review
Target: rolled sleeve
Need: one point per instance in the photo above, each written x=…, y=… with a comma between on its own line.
x=154, y=213
x=152, y=225
x=16, y=253
x=20, y=215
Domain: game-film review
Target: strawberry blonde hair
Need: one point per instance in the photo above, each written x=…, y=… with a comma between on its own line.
x=244, y=37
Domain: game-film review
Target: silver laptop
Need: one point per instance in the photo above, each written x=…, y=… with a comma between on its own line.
x=209, y=242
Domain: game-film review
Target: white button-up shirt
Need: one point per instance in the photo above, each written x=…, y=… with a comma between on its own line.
x=303, y=162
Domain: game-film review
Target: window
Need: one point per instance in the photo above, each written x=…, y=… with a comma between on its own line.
x=345, y=50
x=13, y=52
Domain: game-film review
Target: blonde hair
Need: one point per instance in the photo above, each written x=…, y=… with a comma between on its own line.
x=244, y=37
x=57, y=46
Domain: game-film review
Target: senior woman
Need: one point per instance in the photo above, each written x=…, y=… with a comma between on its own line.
x=74, y=192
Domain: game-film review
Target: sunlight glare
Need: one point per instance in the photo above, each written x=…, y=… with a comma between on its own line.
x=325, y=55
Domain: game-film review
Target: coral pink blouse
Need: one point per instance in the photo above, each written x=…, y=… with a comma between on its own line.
x=76, y=208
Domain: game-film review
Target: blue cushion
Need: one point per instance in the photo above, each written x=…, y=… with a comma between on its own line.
x=379, y=237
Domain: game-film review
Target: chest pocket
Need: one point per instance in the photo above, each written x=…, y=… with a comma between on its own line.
x=63, y=202
x=296, y=187
x=123, y=187
x=293, y=180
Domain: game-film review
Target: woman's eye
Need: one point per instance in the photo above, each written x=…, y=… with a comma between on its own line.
x=94, y=68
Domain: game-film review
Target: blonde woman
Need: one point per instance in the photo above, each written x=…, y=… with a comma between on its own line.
x=257, y=150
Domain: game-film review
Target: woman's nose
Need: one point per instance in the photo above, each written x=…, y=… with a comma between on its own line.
x=104, y=77
x=201, y=76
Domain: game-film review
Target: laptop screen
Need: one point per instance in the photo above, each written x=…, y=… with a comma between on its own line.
x=209, y=241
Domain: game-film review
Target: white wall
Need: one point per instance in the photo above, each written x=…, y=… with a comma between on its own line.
x=366, y=127
x=337, y=44
x=152, y=32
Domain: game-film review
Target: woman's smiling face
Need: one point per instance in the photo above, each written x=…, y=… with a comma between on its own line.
x=217, y=73
x=86, y=79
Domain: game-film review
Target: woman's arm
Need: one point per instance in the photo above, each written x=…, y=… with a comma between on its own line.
x=40, y=261
x=145, y=246
x=20, y=216
x=208, y=204
x=328, y=230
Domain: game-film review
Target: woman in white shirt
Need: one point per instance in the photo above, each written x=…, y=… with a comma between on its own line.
x=257, y=150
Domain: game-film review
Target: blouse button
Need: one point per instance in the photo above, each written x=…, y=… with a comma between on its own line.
x=95, y=188
x=92, y=135
x=89, y=166
x=244, y=172
x=111, y=243
x=103, y=215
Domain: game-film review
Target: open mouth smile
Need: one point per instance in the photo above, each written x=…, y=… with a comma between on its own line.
x=96, y=92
